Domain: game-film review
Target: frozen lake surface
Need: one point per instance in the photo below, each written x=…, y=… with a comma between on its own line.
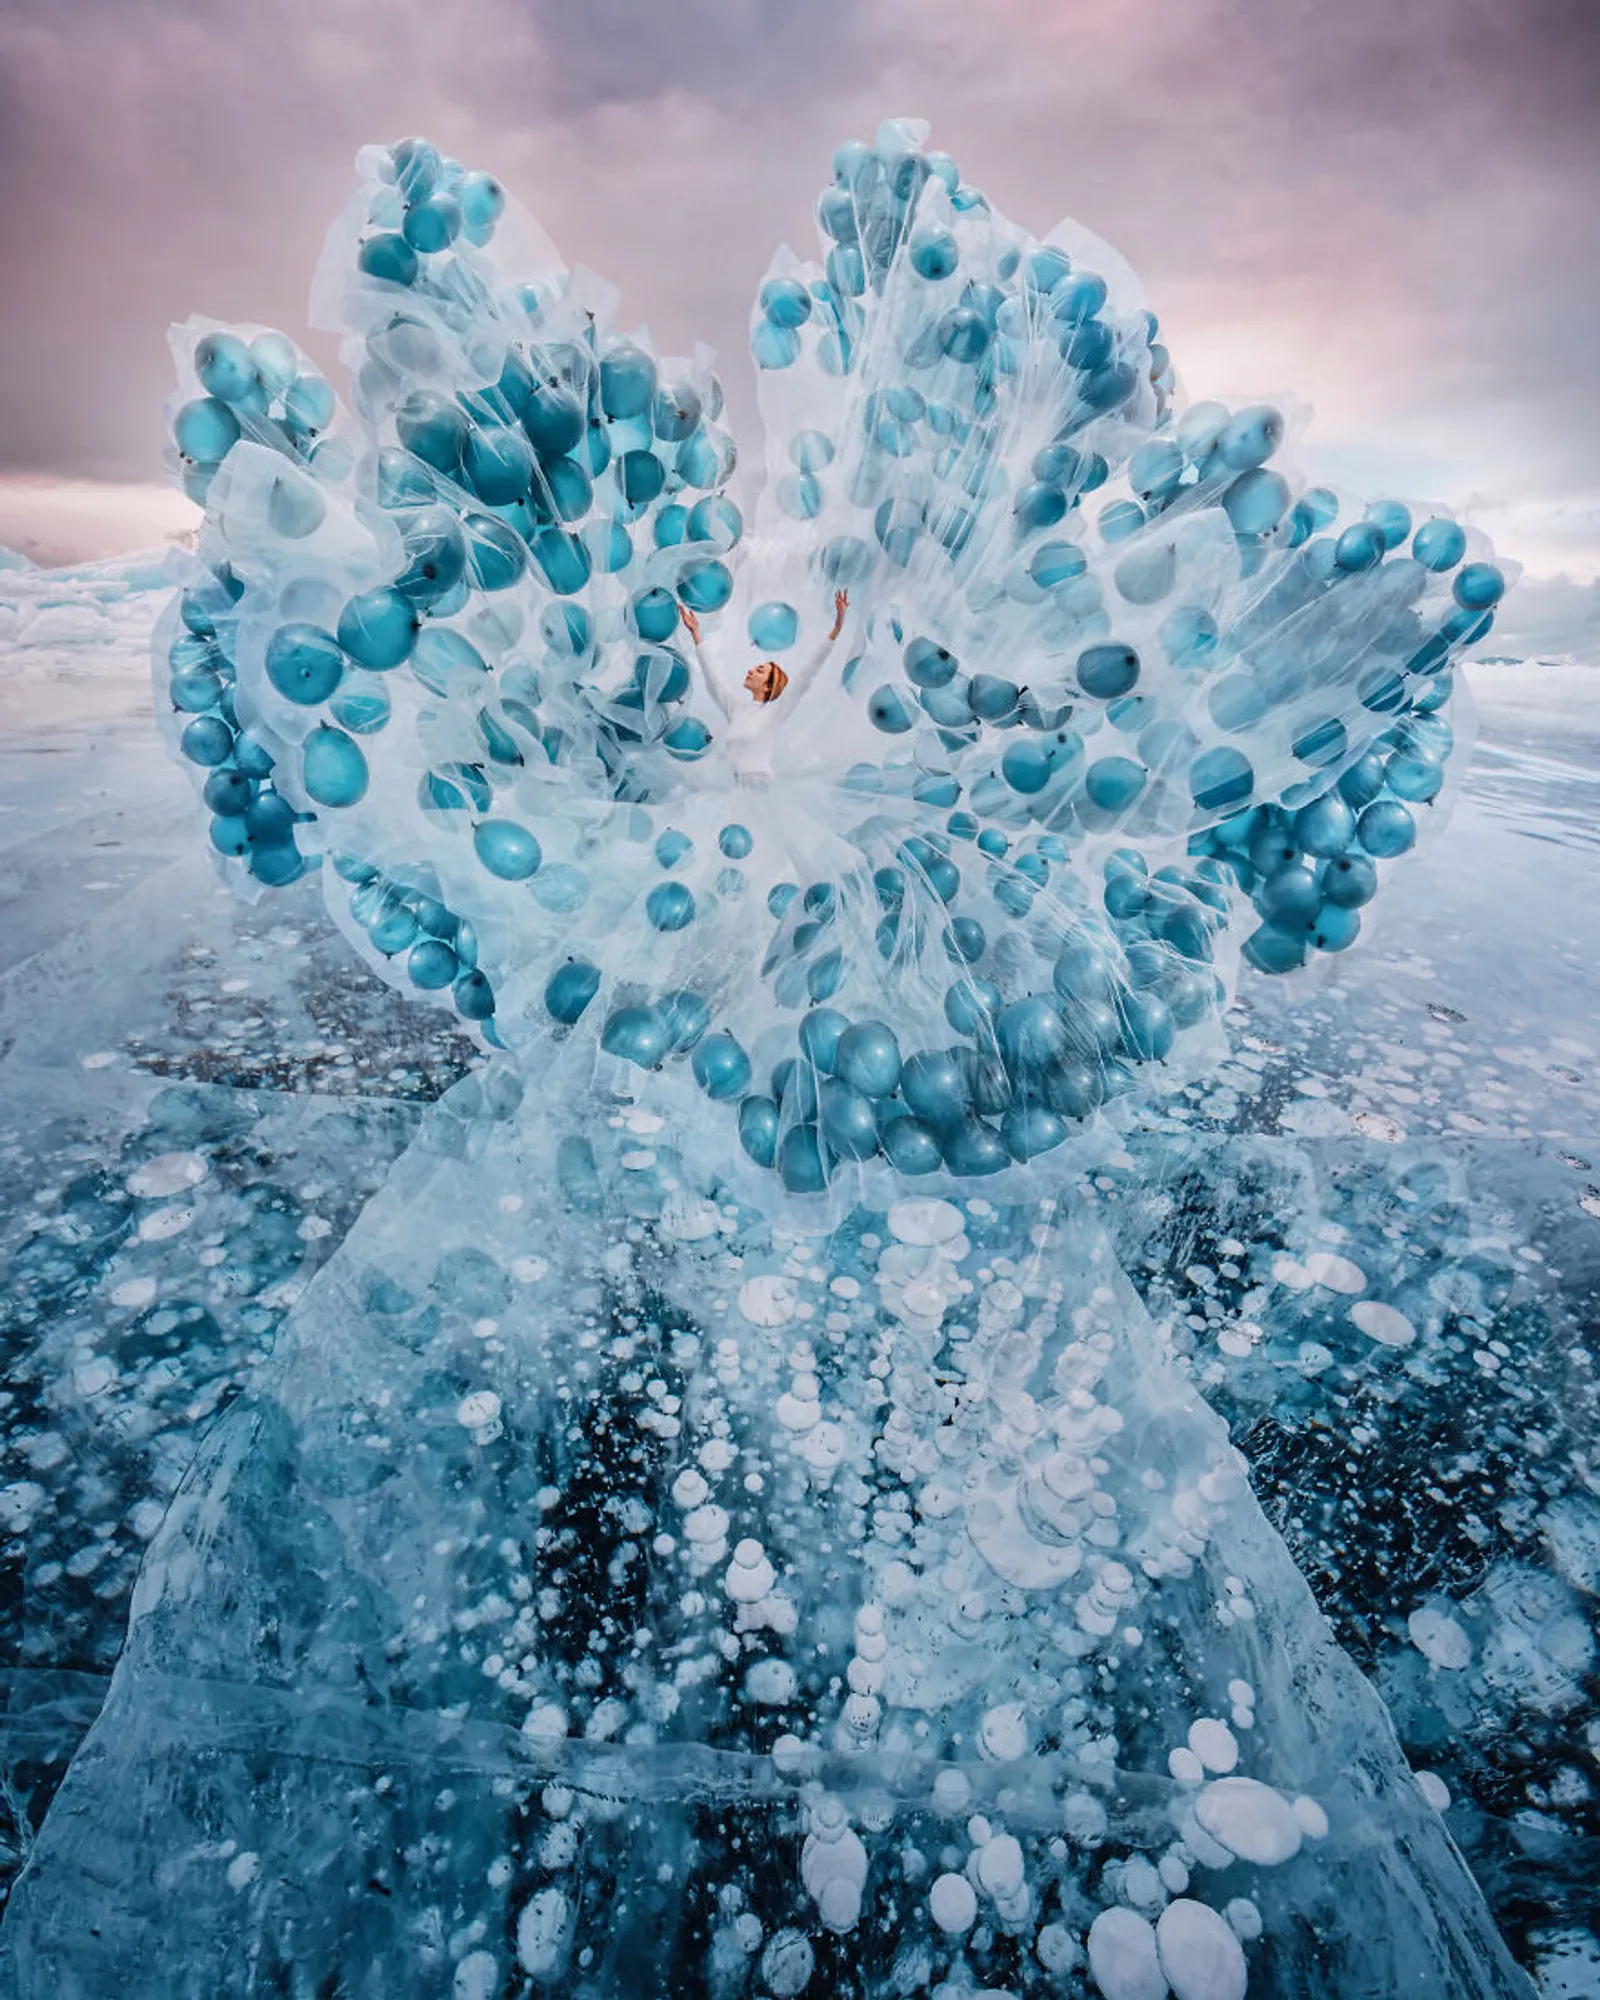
x=188, y=1132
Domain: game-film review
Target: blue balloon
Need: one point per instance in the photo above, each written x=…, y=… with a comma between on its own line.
x=972, y=1148
x=1349, y=881
x=497, y=556
x=473, y=995
x=506, y=849
x=563, y=560
x=670, y=907
x=804, y=1166
x=308, y=402
x=1386, y=829
x=637, y=1034
x=432, y=965
x=1027, y=766
x=1323, y=743
x=934, y=1086
x=867, y=1057
x=227, y=368
x=964, y=335
x=333, y=767
x=1256, y=501
x=389, y=258
x=378, y=629
x=1326, y=827
x=786, y=302
x=1039, y=505
x=641, y=476
x=911, y=1145
x=205, y=430
x=482, y=202
x=1027, y=1130
x=1337, y=927
x=1156, y=469
x=773, y=346
x=1107, y=671
x=570, y=989
x=1250, y=438
x=1439, y=544
x=1478, y=586
x=1360, y=547
x=706, y=586
x=432, y=224
x=888, y=710
x=1221, y=778
x=1291, y=895
x=553, y=420
x=929, y=665
x=758, y=1129
x=1031, y=1036
x=497, y=463
x=207, y=741
x=1363, y=781
x=848, y=1122
x=1055, y=562
x=435, y=554
x=304, y=663
x=1270, y=949
x=721, y=1068
x=934, y=254
x=1113, y=783
x=627, y=381
x=229, y=793
x=1392, y=520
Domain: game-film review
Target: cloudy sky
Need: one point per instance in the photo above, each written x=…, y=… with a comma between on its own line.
x=1388, y=207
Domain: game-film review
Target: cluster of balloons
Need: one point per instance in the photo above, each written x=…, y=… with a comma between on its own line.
x=1089, y=694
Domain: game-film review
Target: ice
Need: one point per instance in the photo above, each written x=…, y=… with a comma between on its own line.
x=1124, y=1960
x=1200, y=1955
x=638, y=1549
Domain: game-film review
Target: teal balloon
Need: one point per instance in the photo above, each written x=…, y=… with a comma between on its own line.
x=226, y=368
x=304, y=663
x=721, y=1068
x=773, y=626
x=636, y=1034
x=670, y=907
x=506, y=849
x=706, y=587
x=205, y=430
x=1439, y=544
x=569, y=990
x=378, y=629
x=758, y=1129
x=333, y=768
x=432, y=225
x=432, y=965
x=389, y=258
x=482, y=201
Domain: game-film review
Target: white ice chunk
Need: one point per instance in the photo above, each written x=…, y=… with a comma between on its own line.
x=1384, y=1324
x=1249, y=1819
x=1123, y=1957
x=1200, y=1955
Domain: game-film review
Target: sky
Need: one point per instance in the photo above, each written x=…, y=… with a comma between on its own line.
x=1388, y=208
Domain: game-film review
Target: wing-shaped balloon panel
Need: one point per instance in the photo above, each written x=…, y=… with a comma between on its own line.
x=908, y=831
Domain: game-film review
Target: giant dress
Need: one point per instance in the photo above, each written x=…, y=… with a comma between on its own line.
x=724, y=1522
